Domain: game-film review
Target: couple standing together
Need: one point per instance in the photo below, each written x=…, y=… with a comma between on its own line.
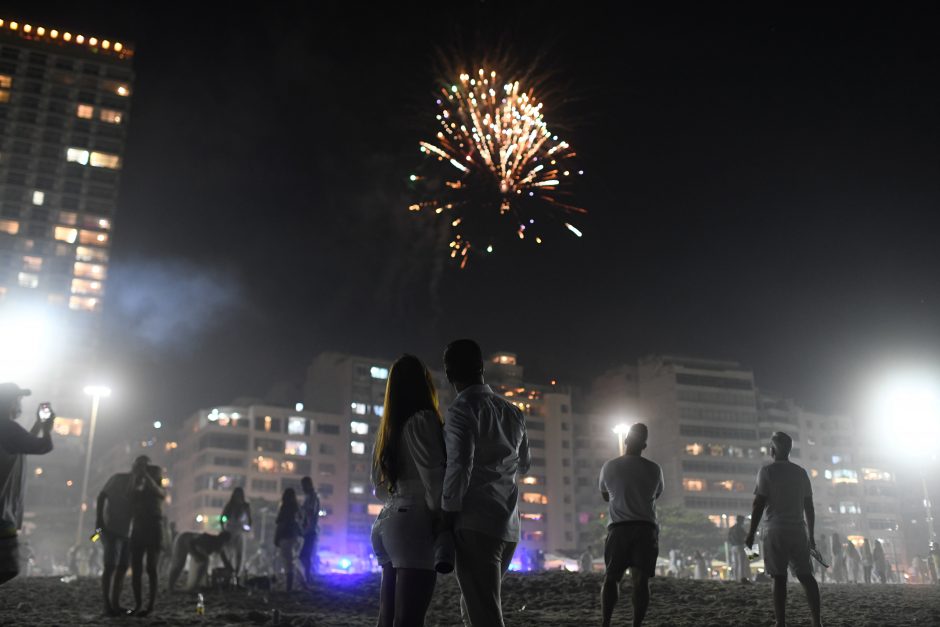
x=449, y=488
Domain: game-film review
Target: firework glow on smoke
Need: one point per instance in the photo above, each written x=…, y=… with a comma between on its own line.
x=497, y=166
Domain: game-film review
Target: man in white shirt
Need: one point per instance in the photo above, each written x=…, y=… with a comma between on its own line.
x=739, y=561
x=487, y=447
x=631, y=484
x=783, y=488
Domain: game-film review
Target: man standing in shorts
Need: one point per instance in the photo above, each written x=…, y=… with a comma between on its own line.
x=113, y=519
x=631, y=484
x=783, y=488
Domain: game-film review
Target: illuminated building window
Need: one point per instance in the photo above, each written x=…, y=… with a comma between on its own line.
x=10, y=227
x=716, y=450
x=288, y=467
x=836, y=459
x=85, y=111
x=359, y=428
x=843, y=475
x=378, y=372
x=378, y=410
x=505, y=359
x=693, y=485
x=6, y=81
x=694, y=449
x=295, y=447
x=26, y=279
x=530, y=480
x=84, y=303
x=105, y=160
x=122, y=90
x=90, y=271
x=83, y=286
x=65, y=234
x=374, y=509
x=531, y=516
x=813, y=473
x=264, y=464
x=77, y=155
x=535, y=498
x=32, y=264
x=4, y=95
x=849, y=507
x=38, y=197
x=93, y=238
x=110, y=116
x=297, y=425
x=873, y=474
x=357, y=488
x=359, y=408
x=357, y=448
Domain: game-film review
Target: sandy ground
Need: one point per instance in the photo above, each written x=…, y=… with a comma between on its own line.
x=546, y=599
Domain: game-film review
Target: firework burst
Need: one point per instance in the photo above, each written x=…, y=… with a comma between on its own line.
x=499, y=165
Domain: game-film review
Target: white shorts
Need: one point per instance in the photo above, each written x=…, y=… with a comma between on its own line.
x=402, y=536
x=783, y=547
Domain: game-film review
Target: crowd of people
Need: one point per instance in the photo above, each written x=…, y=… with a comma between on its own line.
x=449, y=490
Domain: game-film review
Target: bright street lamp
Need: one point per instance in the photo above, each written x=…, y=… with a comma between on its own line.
x=621, y=431
x=96, y=392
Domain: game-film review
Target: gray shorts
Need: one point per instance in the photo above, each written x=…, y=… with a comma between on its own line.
x=786, y=547
x=402, y=536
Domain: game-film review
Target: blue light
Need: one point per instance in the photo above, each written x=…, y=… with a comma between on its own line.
x=345, y=563
x=515, y=566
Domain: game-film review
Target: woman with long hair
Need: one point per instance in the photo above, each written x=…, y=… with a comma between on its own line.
x=286, y=533
x=408, y=474
x=236, y=519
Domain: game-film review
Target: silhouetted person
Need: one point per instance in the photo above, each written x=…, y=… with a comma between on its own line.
x=15, y=443
x=838, y=559
x=147, y=496
x=586, y=560
x=487, y=448
x=287, y=531
x=408, y=475
x=311, y=529
x=631, y=485
x=784, y=490
x=880, y=562
x=236, y=519
x=113, y=518
x=701, y=569
x=853, y=563
x=740, y=565
x=867, y=561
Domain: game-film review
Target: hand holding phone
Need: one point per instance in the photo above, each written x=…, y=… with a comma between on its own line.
x=45, y=411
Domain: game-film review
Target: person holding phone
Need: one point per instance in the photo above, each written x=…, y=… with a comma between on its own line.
x=147, y=498
x=15, y=443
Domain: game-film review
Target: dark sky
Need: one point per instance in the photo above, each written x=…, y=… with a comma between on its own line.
x=762, y=187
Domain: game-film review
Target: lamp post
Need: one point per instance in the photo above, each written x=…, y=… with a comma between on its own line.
x=96, y=392
x=621, y=431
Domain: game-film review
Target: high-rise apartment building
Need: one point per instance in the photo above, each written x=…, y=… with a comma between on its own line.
x=64, y=109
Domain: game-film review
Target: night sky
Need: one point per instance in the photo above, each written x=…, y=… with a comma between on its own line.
x=762, y=187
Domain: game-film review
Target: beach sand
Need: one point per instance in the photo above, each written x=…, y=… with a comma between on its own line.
x=554, y=598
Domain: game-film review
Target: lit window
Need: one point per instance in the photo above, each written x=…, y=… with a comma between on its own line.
x=6, y=81
x=288, y=467
x=67, y=426
x=84, y=303
x=378, y=410
x=374, y=509
x=90, y=271
x=84, y=253
x=843, y=475
x=378, y=372
x=105, y=160
x=25, y=279
x=83, y=286
x=849, y=507
x=10, y=227
x=827, y=474
x=530, y=480
x=836, y=459
x=122, y=90
x=297, y=425
x=85, y=111
x=359, y=428
x=65, y=234
x=504, y=359
x=694, y=448
x=32, y=264
x=93, y=238
x=531, y=516
x=110, y=116
x=264, y=464
x=873, y=474
x=295, y=447
x=357, y=448
x=4, y=95
x=359, y=408
x=535, y=498
x=813, y=473
x=357, y=488
x=38, y=197
x=693, y=485
x=104, y=223
x=77, y=155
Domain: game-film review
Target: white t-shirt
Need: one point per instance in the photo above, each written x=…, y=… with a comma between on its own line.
x=634, y=483
x=785, y=485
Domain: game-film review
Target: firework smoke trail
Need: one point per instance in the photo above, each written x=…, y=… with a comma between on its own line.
x=500, y=160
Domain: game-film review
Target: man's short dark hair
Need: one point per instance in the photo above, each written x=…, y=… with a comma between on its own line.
x=637, y=435
x=305, y=482
x=463, y=360
x=782, y=443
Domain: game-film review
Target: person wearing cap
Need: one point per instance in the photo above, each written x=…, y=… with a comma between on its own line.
x=784, y=491
x=631, y=485
x=15, y=443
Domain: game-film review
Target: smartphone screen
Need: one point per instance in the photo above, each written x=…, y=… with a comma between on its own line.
x=45, y=411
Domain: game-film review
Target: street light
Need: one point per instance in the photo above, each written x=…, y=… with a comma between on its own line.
x=907, y=404
x=96, y=392
x=621, y=431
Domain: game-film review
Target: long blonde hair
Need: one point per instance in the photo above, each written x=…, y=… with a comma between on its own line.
x=409, y=390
